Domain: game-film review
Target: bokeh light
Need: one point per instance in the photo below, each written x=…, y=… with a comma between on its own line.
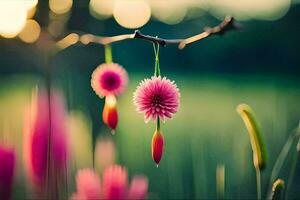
x=31, y=12
x=12, y=18
x=101, y=9
x=60, y=6
x=169, y=12
x=29, y=4
x=132, y=13
x=255, y=9
x=30, y=32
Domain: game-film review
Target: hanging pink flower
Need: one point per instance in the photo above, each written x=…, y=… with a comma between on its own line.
x=113, y=187
x=7, y=167
x=157, y=97
x=109, y=78
x=45, y=141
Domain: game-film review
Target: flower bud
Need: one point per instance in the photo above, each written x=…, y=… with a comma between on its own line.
x=157, y=146
x=110, y=114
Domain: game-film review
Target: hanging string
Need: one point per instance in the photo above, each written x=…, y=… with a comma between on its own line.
x=108, y=54
x=156, y=73
x=156, y=53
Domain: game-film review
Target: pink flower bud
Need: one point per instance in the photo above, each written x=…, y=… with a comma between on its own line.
x=110, y=114
x=157, y=146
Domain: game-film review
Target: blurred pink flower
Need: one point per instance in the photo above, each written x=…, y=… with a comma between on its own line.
x=114, y=185
x=114, y=182
x=109, y=79
x=7, y=167
x=138, y=187
x=88, y=184
x=157, y=97
x=45, y=140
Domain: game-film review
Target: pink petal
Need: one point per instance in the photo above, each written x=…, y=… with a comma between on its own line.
x=138, y=187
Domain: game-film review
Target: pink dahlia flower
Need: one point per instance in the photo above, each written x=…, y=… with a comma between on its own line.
x=7, y=168
x=114, y=185
x=109, y=79
x=157, y=97
x=45, y=141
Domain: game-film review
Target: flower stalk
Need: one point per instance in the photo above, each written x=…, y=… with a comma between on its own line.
x=257, y=143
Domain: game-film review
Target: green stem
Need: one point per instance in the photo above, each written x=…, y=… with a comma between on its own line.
x=282, y=157
x=258, y=183
x=158, y=124
x=291, y=174
x=108, y=54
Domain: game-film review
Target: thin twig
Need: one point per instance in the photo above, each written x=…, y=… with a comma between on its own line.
x=226, y=25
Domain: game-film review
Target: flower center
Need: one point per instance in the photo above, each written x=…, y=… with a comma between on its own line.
x=110, y=80
x=156, y=99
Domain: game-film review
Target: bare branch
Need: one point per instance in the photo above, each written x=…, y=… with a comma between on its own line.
x=226, y=25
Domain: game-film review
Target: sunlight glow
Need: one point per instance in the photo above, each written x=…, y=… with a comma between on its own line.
x=12, y=18
x=255, y=9
x=30, y=32
x=169, y=12
x=60, y=6
x=132, y=13
x=101, y=9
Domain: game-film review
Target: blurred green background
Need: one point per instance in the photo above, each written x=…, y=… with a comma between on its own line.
x=259, y=65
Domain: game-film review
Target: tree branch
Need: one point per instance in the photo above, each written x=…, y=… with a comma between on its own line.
x=226, y=25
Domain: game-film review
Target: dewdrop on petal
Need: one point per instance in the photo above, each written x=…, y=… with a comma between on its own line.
x=110, y=114
x=157, y=146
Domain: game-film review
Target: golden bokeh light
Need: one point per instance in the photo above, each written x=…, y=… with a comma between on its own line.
x=13, y=16
x=101, y=9
x=132, y=13
x=169, y=12
x=60, y=6
x=30, y=32
x=31, y=12
x=255, y=9
x=29, y=4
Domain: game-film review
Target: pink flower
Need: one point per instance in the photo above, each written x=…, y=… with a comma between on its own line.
x=114, y=185
x=7, y=167
x=138, y=187
x=45, y=140
x=114, y=182
x=88, y=184
x=109, y=79
x=157, y=97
